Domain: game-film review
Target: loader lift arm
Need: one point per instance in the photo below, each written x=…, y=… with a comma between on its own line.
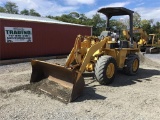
x=88, y=53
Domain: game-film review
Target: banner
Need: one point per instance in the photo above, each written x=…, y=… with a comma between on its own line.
x=18, y=34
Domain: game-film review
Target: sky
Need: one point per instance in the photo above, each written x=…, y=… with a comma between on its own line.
x=148, y=9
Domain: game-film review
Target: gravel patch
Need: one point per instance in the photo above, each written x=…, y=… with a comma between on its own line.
x=128, y=97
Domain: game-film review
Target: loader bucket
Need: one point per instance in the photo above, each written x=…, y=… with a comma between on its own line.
x=61, y=83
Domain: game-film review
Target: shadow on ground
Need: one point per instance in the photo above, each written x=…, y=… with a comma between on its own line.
x=123, y=80
x=90, y=94
x=142, y=75
x=90, y=88
x=120, y=80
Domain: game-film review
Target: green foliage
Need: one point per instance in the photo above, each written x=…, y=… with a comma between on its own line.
x=32, y=12
x=119, y=25
x=98, y=24
x=136, y=19
x=146, y=26
x=2, y=9
x=82, y=18
x=156, y=28
x=24, y=12
x=74, y=15
x=11, y=8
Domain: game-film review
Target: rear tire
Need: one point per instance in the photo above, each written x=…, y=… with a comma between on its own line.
x=105, y=69
x=132, y=65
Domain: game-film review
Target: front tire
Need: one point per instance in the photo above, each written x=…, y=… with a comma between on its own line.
x=105, y=69
x=132, y=65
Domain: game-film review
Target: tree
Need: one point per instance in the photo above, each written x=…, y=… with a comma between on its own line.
x=24, y=12
x=98, y=24
x=66, y=18
x=118, y=23
x=2, y=9
x=11, y=8
x=146, y=26
x=156, y=28
x=32, y=12
x=50, y=16
x=74, y=14
x=82, y=17
x=136, y=20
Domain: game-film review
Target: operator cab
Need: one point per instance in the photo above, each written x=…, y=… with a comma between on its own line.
x=103, y=35
x=117, y=11
x=113, y=33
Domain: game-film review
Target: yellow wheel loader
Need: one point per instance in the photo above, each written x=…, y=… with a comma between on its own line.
x=102, y=56
x=147, y=43
x=152, y=45
x=141, y=38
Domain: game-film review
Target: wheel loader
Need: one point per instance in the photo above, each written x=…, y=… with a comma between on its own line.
x=103, y=56
x=152, y=45
x=141, y=38
x=147, y=43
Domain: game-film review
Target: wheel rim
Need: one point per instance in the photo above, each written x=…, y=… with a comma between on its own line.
x=110, y=70
x=135, y=65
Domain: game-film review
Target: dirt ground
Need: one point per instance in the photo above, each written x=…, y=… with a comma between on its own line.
x=127, y=98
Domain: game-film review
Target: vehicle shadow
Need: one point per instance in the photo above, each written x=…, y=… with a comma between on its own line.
x=90, y=94
x=123, y=80
x=143, y=75
x=120, y=80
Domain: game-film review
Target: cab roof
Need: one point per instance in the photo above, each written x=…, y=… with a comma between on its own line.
x=115, y=11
